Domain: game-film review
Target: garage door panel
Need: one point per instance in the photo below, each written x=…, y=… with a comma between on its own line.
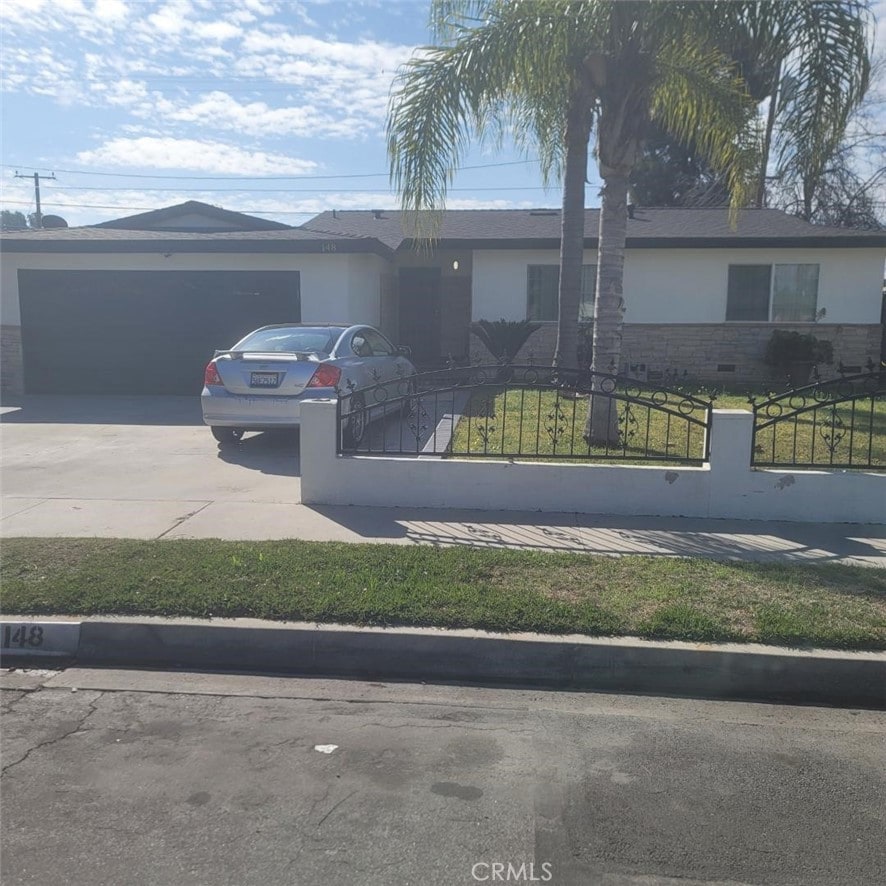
x=141, y=332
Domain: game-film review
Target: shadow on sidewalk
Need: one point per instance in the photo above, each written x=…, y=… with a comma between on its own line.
x=270, y=452
x=757, y=541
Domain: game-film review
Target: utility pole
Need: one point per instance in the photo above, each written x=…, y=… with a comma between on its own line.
x=38, y=213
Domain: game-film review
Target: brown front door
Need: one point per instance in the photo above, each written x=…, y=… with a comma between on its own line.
x=420, y=314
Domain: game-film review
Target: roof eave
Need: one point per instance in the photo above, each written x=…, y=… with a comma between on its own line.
x=305, y=247
x=866, y=241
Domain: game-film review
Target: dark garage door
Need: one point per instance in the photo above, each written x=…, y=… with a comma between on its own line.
x=141, y=332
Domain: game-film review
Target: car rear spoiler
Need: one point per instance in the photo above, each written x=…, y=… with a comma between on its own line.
x=299, y=355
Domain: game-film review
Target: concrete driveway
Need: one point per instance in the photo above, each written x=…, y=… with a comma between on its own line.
x=132, y=467
x=146, y=467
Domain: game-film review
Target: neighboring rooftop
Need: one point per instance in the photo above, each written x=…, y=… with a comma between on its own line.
x=193, y=216
x=187, y=227
x=652, y=227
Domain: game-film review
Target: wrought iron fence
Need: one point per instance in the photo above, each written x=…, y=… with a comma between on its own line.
x=840, y=423
x=524, y=412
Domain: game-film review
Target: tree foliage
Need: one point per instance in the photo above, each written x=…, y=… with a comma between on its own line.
x=12, y=220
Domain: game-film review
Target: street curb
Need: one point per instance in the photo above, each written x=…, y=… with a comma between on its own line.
x=727, y=671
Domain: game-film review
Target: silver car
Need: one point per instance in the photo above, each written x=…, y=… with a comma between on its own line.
x=260, y=383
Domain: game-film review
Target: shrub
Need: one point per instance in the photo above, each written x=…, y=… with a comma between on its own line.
x=785, y=349
x=504, y=338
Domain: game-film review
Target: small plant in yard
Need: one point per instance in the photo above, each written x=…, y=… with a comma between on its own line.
x=504, y=338
x=796, y=353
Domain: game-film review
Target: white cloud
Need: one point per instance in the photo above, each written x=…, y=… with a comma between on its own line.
x=218, y=30
x=367, y=55
x=21, y=11
x=221, y=111
x=204, y=156
x=112, y=11
x=172, y=18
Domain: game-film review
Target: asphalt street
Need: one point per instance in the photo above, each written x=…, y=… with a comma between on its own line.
x=116, y=777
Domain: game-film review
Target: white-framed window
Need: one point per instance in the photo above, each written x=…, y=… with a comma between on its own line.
x=772, y=293
x=542, y=292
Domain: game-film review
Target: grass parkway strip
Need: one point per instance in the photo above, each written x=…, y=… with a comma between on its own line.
x=827, y=606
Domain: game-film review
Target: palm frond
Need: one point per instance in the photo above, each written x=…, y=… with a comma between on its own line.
x=701, y=100
x=506, y=77
x=826, y=75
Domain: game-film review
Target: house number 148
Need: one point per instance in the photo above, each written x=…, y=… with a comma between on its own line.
x=20, y=636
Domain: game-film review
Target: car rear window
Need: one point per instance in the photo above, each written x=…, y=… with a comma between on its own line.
x=290, y=340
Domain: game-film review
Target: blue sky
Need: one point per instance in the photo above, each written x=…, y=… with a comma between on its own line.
x=190, y=89
x=273, y=107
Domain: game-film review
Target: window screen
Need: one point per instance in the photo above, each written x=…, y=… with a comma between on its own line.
x=795, y=293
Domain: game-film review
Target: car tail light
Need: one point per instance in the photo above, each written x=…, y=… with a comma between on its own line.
x=325, y=376
x=211, y=376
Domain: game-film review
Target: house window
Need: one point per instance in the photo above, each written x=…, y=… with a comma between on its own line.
x=542, y=296
x=780, y=293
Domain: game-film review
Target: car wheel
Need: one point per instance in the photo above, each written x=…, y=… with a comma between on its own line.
x=226, y=436
x=355, y=426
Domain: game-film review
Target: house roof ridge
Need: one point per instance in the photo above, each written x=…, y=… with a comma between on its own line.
x=342, y=234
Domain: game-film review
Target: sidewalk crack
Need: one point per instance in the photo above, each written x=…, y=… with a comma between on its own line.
x=179, y=520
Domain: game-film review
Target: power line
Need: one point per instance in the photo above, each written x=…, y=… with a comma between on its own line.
x=152, y=208
x=291, y=190
x=349, y=175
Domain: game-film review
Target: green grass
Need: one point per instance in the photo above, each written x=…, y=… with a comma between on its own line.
x=544, y=423
x=697, y=600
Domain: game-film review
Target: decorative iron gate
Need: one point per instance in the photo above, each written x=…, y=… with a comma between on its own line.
x=524, y=412
x=836, y=424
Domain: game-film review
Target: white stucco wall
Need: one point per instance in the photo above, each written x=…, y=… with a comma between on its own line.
x=688, y=285
x=725, y=488
x=334, y=288
x=364, y=288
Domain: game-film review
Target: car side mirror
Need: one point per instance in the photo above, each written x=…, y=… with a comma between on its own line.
x=404, y=350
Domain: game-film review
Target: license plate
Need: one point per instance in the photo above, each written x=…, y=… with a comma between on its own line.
x=264, y=380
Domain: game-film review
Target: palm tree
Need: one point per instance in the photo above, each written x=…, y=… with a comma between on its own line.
x=547, y=71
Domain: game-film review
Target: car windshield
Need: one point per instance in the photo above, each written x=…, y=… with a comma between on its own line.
x=290, y=339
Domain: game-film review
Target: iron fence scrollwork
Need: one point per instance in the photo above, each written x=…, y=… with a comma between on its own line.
x=524, y=411
x=838, y=423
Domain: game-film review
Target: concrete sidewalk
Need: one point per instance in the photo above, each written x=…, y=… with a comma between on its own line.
x=610, y=536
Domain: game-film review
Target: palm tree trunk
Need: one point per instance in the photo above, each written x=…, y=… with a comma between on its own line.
x=602, y=421
x=760, y=200
x=572, y=234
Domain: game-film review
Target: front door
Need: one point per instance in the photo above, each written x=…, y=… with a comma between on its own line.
x=420, y=314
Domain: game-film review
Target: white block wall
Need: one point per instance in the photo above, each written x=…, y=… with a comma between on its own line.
x=727, y=487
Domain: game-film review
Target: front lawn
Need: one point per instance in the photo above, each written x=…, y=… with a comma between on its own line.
x=497, y=590
x=537, y=423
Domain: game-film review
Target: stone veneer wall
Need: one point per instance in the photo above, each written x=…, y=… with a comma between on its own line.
x=705, y=350
x=11, y=367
